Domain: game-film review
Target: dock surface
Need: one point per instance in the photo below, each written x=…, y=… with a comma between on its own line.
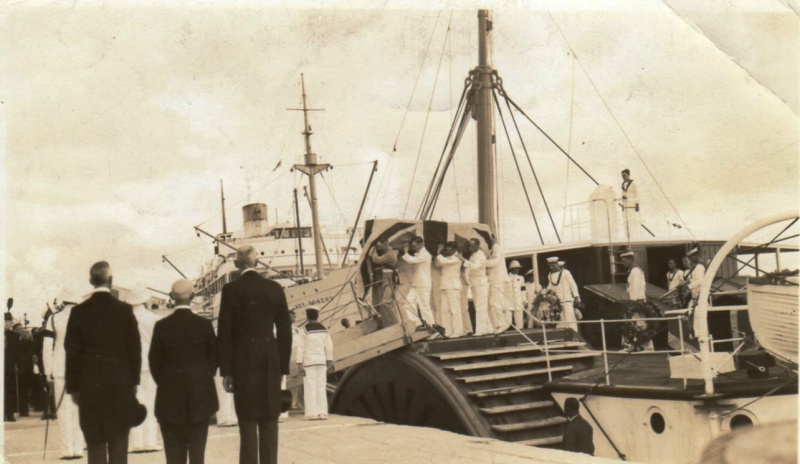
x=340, y=439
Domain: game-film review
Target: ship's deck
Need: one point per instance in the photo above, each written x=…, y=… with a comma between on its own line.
x=648, y=376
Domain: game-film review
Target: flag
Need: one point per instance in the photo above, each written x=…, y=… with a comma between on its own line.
x=277, y=166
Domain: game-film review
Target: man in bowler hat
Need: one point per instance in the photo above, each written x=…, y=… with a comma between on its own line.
x=255, y=343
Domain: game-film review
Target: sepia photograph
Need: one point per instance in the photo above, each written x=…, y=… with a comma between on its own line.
x=318, y=232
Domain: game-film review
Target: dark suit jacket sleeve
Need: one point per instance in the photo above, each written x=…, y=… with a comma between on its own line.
x=571, y=438
x=73, y=346
x=155, y=356
x=225, y=333
x=283, y=325
x=211, y=348
x=134, y=343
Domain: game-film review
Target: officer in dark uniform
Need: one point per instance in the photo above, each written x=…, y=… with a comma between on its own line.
x=10, y=371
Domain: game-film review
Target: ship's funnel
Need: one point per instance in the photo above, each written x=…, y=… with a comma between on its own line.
x=254, y=217
x=603, y=212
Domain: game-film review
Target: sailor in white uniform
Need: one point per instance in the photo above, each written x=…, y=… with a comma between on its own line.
x=450, y=289
x=479, y=286
x=54, y=357
x=314, y=358
x=144, y=438
x=636, y=281
x=630, y=203
x=562, y=283
x=674, y=275
x=518, y=293
x=499, y=289
x=532, y=288
x=695, y=274
x=420, y=296
x=226, y=414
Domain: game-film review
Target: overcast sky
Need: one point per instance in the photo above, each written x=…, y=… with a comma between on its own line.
x=121, y=121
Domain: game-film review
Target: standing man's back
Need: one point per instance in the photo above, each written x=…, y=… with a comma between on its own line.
x=255, y=342
x=103, y=361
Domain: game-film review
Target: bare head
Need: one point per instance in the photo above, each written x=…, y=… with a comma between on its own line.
x=417, y=243
x=100, y=274
x=450, y=248
x=626, y=174
x=381, y=245
x=182, y=292
x=672, y=265
x=246, y=257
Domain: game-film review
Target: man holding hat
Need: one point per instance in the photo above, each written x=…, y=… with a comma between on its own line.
x=561, y=282
x=183, y=360
x=636, y=281
x=518, y=293
x=55, y=359
x=314, y=359
x=255, y=343
x=144, y=438
x=104, y=361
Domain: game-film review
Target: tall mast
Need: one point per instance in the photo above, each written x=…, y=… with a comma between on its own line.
x=311, y=169
x=487, y=211
x=222, y=197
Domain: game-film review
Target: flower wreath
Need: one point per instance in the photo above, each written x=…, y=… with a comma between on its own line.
x=640, y=328
x=547, y=307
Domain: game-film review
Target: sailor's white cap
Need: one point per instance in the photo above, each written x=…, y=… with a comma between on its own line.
x=691, y=252
x=561, y=263
x=552, y=259
x=139, y=295
x=69, y=295
x=627, y=254
x=514, y=265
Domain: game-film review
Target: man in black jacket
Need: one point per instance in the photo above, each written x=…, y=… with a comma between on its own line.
x=255, y=342
x=104, y=356
x=578, y=432
x=183, y=361
x=12, y=342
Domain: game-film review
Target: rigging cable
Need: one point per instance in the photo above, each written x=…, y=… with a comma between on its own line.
x=569, y=144
x=530, y=163
x=450, y=94
x=427, y=115
x=405, y=114
x=519, y=171
x=625, y=134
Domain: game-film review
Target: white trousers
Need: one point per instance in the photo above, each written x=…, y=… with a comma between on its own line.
x=69, y=424
x=480, y=297
x=226, y=415
x=406, y=303
x=498, y=304
x=450, y=309
x=568, y=320
x=316, y=398
x=145, y=436
x=466, y=321
x=420, y=298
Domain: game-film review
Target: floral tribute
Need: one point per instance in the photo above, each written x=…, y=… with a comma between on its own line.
x=640, y=327
x=547, y=307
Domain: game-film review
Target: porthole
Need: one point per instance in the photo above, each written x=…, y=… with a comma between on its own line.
x=740, y=420
x=657, y=422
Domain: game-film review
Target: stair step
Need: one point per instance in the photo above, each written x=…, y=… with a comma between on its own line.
x=518, y=361
x=529, y=425
x=518, y=407
x=512, y=374
x=502, y=391
x=541, y=441
x=510, y=349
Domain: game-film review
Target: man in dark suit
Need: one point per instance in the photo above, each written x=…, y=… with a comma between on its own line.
x=255, y=342
x=12, y=342
x=104, y=356
x=578, y=432
x=183, y=361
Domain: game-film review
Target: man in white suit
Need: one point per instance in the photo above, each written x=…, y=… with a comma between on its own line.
x=144, y=438
x=55, y=360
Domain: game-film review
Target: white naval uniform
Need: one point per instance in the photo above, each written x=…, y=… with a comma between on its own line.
x=145, y=436
x=562, y=283
x=479, y=285
x=630, y=202
x=531, y=290
x=314, y=350
x=450, y=290
x=405, y=297
x=674, y=279
x=695, y=277
x=500, y=298
x=518, y=293
x=636, y=284
x=420, y=296
x=55, y=364
x=226, y=414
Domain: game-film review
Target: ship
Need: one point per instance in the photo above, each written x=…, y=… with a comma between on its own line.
x=719, y=370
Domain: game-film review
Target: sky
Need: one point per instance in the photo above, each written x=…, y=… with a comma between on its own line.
x=122, y=119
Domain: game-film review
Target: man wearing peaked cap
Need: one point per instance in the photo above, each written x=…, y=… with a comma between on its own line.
x=183, y=360
x=563, y=284
x=144, y=438
x=636, y=281
x=314, y=359
x=55, y=358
